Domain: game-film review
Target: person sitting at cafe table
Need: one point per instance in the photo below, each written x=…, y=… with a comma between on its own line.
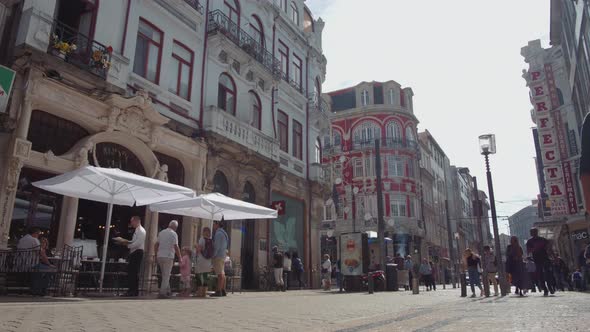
x=136, y=247
x=40, y=279
x=29, y=241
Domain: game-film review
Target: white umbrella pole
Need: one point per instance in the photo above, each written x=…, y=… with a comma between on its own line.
x=105, y=245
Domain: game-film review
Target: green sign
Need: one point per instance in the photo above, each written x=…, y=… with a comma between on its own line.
x=6, y=80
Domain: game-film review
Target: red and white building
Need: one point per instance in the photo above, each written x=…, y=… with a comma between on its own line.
x=360, y=115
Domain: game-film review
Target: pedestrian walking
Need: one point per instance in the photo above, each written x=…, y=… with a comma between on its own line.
x=220, y=245
x=586, y=267
x=514, y=264
x=166, y=248
x=560, y=273
x=531, y=270
x=287, y=267
x=426, y=274
x=327, y=273
x=338, y=273
x=472, y=263
x=136, y=248
x=185, y=265
x=409, y=265
x=204, y=252
x=538, y=247
x=278, y=259
x=298, y=269
x=577, y=279
x=490, y=268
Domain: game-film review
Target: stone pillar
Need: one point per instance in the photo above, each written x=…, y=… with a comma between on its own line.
x=67, y=222
x=151, y=228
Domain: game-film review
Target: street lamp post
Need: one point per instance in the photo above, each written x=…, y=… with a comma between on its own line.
x=487, y=145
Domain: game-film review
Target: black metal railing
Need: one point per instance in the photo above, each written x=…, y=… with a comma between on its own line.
x=329, y=150
x=218, y=22
x=196, y=5
x=292, y=82
x=389, y=142
x=73, y=47
x=318, y=104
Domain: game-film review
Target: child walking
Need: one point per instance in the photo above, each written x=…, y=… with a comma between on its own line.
x=185, y=271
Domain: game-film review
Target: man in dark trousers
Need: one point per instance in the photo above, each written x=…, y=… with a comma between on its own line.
x=539, y=247
x=136, y=247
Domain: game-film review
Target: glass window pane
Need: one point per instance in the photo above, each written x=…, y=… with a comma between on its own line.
x=149, y=31
x=181, y=52
x=173, y=72
x=140, y=59
x=152, y=70
x=184, y=82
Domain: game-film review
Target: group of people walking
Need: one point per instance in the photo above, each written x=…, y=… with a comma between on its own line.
x=536, y=268
x=284, y=264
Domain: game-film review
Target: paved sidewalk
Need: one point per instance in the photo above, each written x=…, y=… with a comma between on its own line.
x=442, y=310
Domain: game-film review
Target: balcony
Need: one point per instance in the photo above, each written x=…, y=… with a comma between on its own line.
x=220, y=122
x=196, y=5
x=392, y=143
x=77, y=49
x=330, y=150
x=219, y=23
x=317, y=173
x=293, y=83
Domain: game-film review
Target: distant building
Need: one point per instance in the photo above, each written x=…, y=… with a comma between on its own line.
x=522, y=221
x=504, y=242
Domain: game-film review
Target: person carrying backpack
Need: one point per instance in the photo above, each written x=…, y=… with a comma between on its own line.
x=204, y=250
x=297, y=265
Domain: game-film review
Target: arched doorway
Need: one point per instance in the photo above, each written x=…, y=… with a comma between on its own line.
x=220, y=184
x=248, y=242
x=91, y=216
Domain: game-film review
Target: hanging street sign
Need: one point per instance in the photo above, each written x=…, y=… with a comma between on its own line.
x=6, y=80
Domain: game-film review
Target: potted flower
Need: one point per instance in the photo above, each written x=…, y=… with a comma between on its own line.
x=62, y=48
x=100, y=58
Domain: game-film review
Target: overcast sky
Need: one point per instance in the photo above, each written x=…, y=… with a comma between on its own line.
x=462, y=60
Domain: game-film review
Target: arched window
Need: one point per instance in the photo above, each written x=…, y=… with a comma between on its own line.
x=327, y=141
x=337, y=139
x=220, y=184
x=249, y=194
x=232, y=10
x=318, y=151
x=393, y=131
x=256, y=30
x=294, y=13
x=307, y=21
x=226, y=95
x=255, y=111
x=317, y=91
x=366, y=132
x=410, y=134
x=365, y=98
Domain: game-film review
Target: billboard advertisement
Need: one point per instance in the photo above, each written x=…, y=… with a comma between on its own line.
x=351, y=254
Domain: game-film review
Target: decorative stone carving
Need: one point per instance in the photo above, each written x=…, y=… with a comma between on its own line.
x=82, y=157
x=22, y=148
x=163, y=173
x=14, y=166
x=132, y=120
x=112, y=119
x=48, y=156
x=155, y=137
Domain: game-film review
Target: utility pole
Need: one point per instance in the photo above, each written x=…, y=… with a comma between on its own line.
x=380, y=221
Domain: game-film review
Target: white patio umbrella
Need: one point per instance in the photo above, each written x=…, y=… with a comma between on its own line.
x=112, y=186
x=214, y=206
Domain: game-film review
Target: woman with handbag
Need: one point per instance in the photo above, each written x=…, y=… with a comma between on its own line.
x=515, y=264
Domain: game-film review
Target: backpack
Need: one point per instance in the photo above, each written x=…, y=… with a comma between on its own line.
x=208, y=250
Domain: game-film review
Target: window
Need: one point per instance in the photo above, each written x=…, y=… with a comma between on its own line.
x=410, y=168
x=337, y=139
x=365, y=98
x=256, y=110
x=410, y=134
x=357, y=168
x=329, y=212
x=393, y=131
x=337, y=169
x=318, y=151
x=398, y=207
x=369, y=166
x=297, y=140
x=283, y=124
x=297, y=72
x=307, y=21
x=284, y=58
x=148, y=51
x=317, y=91
x=294, y=13
x=366, y=132
x=226, y=97
x=402, y=98
x=392, y=96
x=181, y=67
x=283, y=4
x=232, y=10
x=256, y=30
x=395, y=166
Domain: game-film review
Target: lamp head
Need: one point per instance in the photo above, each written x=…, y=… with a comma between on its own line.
x=487, y=144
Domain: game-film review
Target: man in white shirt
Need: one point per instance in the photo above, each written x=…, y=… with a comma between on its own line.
x=166, y=247
x=136, y=247
x=30, y=240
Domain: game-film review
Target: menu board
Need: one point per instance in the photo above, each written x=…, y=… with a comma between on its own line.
x=351, y=254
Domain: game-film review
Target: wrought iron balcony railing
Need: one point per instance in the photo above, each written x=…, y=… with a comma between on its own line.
x=73, y=47
x=389, y=142
x=196, y=5
x=318, y=104
x=218, y=22
x=292, y=82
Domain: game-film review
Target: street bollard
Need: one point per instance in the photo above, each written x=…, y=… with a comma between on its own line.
x=463, y=285
x=486, y=284
x=415, y=286
x=370, y=283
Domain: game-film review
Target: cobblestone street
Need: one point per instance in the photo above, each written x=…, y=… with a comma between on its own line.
x=442, y=310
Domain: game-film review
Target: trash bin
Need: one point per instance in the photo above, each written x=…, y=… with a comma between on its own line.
x=391, y=277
